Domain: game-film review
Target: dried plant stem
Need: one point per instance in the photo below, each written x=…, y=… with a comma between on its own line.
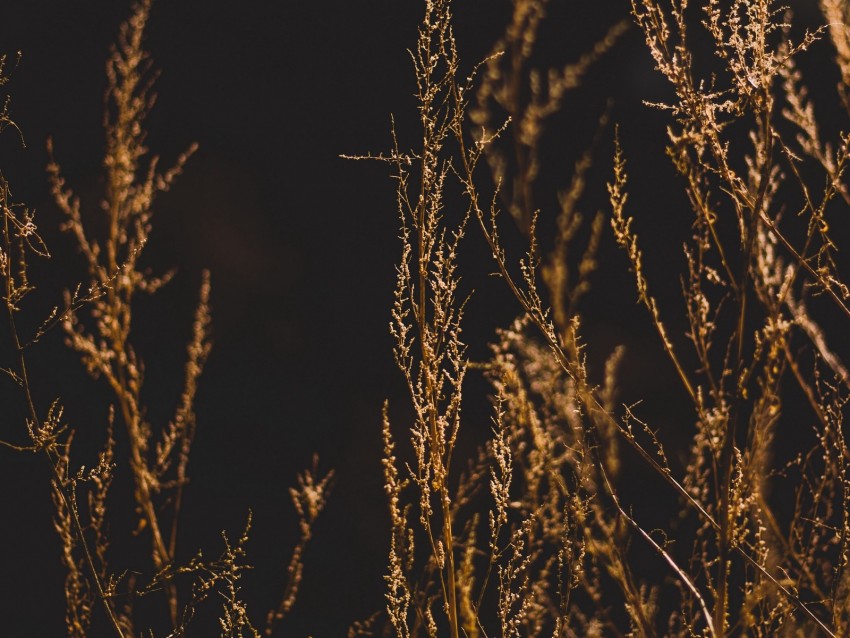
x=432, y=402
x=557, y=523
x=663, y=553
x=309, y=499
x=48, y=447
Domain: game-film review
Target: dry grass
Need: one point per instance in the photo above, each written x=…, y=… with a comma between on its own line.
x=533, y=533
x=97, y=319
x=534, y=537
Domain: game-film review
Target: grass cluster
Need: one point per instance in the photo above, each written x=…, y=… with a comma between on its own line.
x=533, y=528
x=97, y=319
x=534, y=537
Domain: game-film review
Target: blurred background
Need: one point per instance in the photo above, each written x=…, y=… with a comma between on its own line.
x=302, y=246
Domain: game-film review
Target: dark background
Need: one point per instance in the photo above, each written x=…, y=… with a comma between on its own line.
x=302, y=247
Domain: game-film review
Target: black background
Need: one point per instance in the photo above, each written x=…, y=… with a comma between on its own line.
x=302, y=246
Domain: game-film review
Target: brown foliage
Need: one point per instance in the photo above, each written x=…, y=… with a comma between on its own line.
x=535, y=538
x=98, y=322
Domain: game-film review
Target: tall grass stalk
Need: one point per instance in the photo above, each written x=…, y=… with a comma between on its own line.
x=534, y=536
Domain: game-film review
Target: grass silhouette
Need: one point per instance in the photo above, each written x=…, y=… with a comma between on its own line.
x=534, y=523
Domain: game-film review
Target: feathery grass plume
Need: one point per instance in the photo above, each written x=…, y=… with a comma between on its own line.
x=98, y=319
x=557, y=544
x=158, y=455
x=837, y=16
x=309, y=499
x=532, y=533
x=747, y=327
x=158, y=458
x=587, y=431
x=88, y=584
x=524, y=98
x=427, y=328
x=80, y=594
x=550, y=544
